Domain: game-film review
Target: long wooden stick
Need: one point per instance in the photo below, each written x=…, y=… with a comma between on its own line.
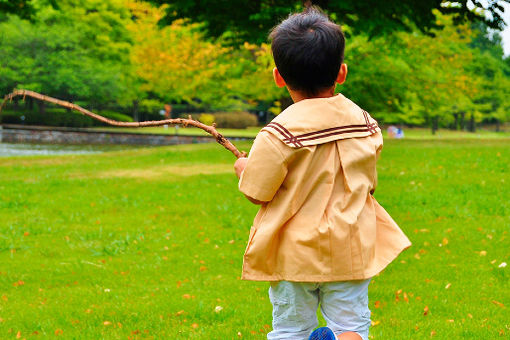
x=177, y=121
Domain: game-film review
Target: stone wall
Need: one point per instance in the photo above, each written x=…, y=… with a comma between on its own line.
x=59, y=135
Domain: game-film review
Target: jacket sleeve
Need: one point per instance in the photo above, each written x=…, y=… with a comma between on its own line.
x=266, y=168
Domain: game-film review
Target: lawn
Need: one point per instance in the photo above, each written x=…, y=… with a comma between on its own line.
x=148, y=244
x=410, y=133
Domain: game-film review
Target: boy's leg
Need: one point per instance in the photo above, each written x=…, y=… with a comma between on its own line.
x=344, y=306
x=294, y=309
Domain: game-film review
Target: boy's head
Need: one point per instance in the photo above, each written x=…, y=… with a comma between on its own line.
x=308, y=51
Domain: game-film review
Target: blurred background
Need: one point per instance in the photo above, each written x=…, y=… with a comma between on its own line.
x=433, y=64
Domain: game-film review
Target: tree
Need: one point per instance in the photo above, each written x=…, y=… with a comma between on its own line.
x=85, y=59
x=413, y=78
x=22, y=8
x=494, y=76
x=177, y=63
x=25, y=9
x=251, y=20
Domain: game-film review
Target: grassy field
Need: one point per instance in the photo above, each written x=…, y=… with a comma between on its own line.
x=410, y=133
x=148, y=244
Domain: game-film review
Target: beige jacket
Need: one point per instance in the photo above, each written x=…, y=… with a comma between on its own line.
x=315, y=166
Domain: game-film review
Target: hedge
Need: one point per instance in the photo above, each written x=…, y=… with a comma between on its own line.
x=58, y=117
x=226, y=120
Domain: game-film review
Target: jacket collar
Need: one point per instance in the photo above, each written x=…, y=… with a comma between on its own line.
x=321, y=120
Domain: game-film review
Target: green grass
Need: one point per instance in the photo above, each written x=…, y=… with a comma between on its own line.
x=146, y=243
x=410, y=133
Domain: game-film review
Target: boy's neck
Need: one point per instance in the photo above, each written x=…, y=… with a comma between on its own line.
x=298, y=96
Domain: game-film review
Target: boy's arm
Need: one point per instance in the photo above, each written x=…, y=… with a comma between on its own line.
x=263, y=172
x=239, y=166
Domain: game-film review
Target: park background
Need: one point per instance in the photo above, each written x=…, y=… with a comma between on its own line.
x=146, y=243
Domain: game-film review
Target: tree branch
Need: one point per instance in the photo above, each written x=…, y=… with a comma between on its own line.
x=177, y=121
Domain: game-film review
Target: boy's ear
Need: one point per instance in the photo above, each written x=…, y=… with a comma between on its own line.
x=278, y=79
x=342, y=74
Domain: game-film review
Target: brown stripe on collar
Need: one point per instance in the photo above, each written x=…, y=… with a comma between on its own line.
x=289, y=137
x=296, y=141
x=334, y=129
x=364, y=129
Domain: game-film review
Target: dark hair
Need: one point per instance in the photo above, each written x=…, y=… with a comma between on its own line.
x=308, y=50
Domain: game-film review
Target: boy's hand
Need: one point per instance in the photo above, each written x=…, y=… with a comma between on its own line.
x=239, y=166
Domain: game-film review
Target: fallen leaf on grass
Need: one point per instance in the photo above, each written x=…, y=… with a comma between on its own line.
x=59, y=332
x=433, y=333
x=497, y=303
x=483, y=253
x=194, y=325
x=502, y=265
x=448, y=286
x=107, y=323
x=218, y=309
x=375, y=323
x=426, y=310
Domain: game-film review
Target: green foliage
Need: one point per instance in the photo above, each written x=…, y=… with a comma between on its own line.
x=116, y=116
x=110, y=54
x=206, y=118
x=252, y=19
x=58, y=117
x=76, y=52
x=22, y=8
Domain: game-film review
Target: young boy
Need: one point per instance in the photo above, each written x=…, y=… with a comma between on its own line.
x=319, y=235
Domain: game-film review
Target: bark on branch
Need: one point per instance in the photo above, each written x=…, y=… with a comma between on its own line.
x=177, y=121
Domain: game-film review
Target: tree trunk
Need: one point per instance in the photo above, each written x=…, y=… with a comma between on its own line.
x=29, y=104
x=135, y=111
x=472, y=126
x=498, y=125
x=435, y=124
x=456, y=121
x=42, y=107
x=462, y=121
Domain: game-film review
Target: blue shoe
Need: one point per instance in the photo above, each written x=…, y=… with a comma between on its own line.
x=323, y=333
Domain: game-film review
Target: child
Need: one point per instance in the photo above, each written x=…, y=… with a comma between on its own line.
x=319, y=235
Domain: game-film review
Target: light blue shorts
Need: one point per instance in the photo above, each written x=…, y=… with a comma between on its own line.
x=344, y=306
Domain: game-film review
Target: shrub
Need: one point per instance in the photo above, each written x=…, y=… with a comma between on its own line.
x=115, y=116
x=59, y=117
x=206, y=118
x=235, y=120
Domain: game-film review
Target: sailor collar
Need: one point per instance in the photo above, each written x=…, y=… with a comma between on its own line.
x=321, y=120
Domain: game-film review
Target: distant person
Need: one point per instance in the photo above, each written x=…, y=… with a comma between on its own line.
x=168, y=111
x=395, y=132
x=320, y=235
